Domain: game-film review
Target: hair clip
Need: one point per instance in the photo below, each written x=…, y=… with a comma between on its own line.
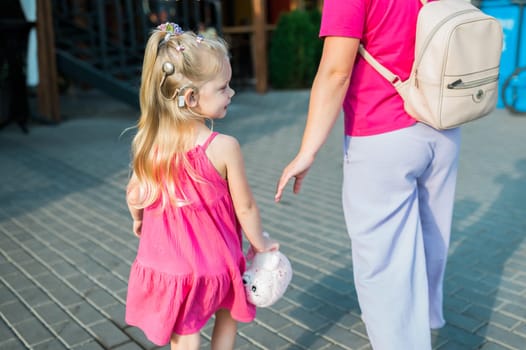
x=169, y=27
x=199, y=38
x=179, y=48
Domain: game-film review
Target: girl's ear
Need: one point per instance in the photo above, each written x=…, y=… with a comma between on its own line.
x=190, y=97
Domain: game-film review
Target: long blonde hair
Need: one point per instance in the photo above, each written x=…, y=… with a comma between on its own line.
x=164, y=132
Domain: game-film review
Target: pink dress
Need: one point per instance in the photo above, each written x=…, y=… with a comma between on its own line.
x=190, y=260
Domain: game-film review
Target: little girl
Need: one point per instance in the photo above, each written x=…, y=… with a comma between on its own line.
x=189, y=198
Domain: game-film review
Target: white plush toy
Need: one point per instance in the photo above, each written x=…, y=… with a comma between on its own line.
x=267, y=277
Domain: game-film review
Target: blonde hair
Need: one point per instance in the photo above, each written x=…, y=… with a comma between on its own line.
x=164, y=132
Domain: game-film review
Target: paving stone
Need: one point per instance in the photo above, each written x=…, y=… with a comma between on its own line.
x=307, y=318
x=521, y=329
x=5, y=332
x=112, y=282
x=344, y=337
x=64, y=269
x=17, y=281
x=463, y=321
x=452, y=345
x=460, y=336
x=335, y=347
x=493, y=346
x=128, y=346
x=86, y=313
x=91, y=345
x=138, y=336
x=80, y=282
x=116, y=314
x=303, y=338
x=34, y=268
x=7, y=296
x=65, y=295
x=12, y=344
x=32, y=331
x=71, y=333
x=33, y=296
x=263, y=337
x=15, y=312
x=515, y=310
x=51, y=344
x=271, y=319
x=499, y=335
x=20, y=256
x=109, y=334
x=100, y=297
x=49, y=281
x=493, y=316
x=51, y=313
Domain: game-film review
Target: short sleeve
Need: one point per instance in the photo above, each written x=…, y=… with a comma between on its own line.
x=343, y=18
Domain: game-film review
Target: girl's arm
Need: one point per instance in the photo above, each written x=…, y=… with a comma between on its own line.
x=326, y=99
x=132, y=199
x=245, y=205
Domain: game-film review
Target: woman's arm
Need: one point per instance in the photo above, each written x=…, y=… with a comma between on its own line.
x=327, y=94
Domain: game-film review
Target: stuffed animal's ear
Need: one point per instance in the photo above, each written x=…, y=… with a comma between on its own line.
x=271, y=260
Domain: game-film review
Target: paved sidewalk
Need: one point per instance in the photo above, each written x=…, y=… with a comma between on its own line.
x=66, y=243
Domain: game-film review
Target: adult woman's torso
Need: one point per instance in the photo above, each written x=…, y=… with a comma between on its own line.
x=387, y=30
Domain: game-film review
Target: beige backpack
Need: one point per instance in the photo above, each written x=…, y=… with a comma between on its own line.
x=454, y=78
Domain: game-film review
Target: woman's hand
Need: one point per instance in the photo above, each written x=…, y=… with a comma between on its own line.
x=298, y=169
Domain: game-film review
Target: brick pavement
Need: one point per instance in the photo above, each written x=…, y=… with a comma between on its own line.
x=66, y=246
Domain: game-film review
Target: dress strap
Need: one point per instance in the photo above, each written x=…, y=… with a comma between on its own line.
x=208, y=140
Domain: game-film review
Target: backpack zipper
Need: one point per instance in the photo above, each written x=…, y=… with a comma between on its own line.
x=459, y=84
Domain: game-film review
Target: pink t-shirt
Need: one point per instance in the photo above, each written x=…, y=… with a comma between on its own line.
x=387, y=30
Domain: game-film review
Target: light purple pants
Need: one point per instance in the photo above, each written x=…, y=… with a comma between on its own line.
x=398, y=193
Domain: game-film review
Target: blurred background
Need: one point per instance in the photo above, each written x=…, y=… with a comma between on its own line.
x=49, y=45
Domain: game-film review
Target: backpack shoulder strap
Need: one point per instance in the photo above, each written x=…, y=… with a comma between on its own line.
x=384, y=72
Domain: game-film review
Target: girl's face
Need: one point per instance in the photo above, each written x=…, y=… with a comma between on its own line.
x=215, y=95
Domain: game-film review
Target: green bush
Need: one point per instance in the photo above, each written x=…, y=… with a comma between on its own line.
x=295, y=49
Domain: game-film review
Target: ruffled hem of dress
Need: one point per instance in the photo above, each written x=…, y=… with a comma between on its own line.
x=161, y=304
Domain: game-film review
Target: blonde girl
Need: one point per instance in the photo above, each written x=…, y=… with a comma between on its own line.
x=189, y=198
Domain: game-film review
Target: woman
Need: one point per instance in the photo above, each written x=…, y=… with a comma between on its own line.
x=399, y=175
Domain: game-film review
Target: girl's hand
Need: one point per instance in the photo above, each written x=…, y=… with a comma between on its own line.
x=269, y=245
x=137, y=227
